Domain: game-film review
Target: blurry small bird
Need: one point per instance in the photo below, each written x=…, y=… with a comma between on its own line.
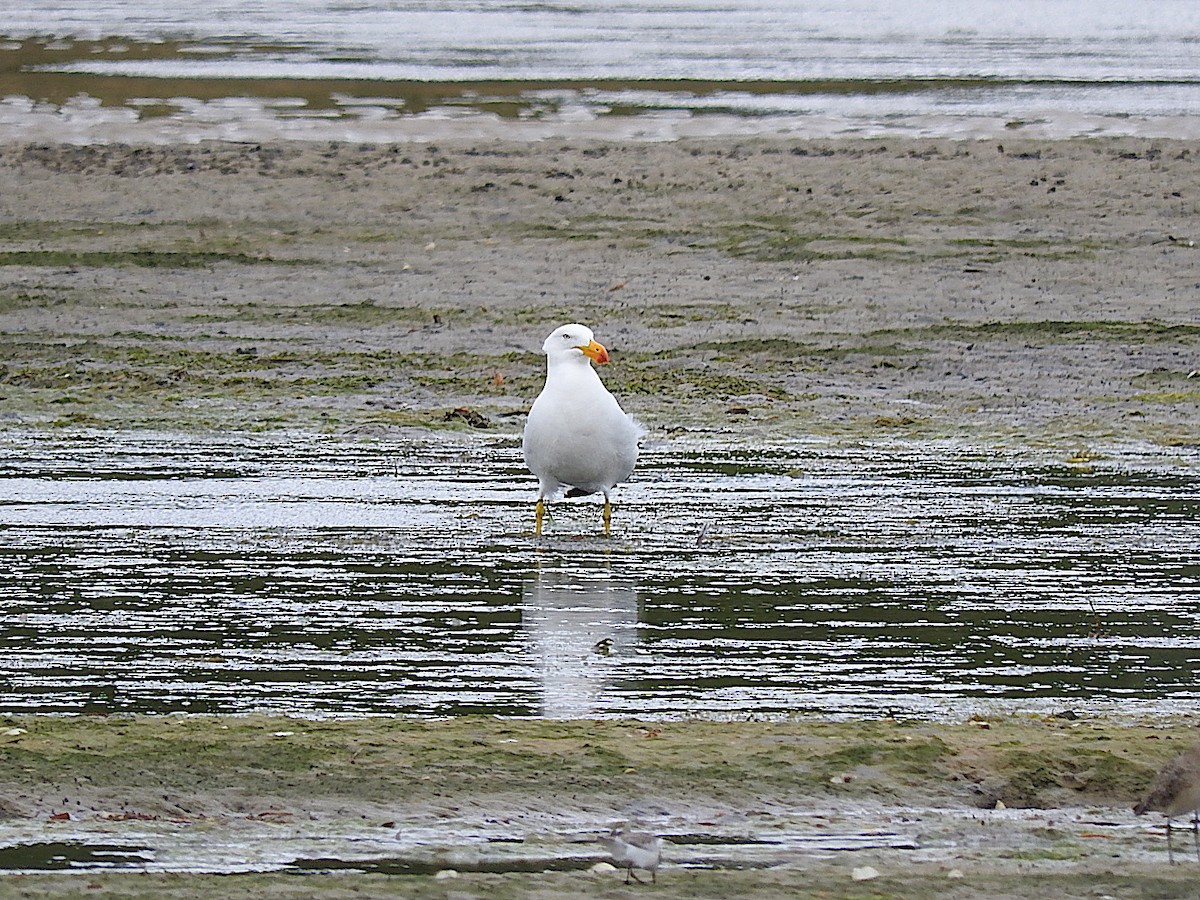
x=1176, y=790
x=634, y=850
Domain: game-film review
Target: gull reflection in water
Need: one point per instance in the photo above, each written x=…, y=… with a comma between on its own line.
x=579, y=626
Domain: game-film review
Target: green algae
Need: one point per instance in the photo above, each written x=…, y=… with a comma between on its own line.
x=149, y=259
x=1050, y=329
x=62, y=367
x=1032, y=776
x=198, y=760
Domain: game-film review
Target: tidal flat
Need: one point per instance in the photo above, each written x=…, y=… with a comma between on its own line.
x=1017, y=292
x=907, y=579
x=379, y=806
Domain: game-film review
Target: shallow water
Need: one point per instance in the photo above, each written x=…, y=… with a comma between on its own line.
x=730, y=40
x=318, y=576
x=124, y=70
x=474, y=846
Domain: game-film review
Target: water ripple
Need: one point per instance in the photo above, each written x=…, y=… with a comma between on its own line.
x=309, y=575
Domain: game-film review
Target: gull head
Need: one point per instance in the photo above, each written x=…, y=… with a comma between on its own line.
x=574, y=342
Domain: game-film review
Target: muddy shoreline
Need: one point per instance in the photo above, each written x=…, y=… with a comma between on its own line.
x=1023, y=294
x=1017, y=293
x=996, y=807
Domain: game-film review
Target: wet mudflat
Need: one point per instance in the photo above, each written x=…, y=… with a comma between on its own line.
x=153, y=573
x=272, y=607
x=932, y=655
x=995, y=806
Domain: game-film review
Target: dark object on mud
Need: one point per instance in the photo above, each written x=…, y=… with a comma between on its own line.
x=468, y=415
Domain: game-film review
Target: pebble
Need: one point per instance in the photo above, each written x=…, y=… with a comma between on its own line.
x=864, y=873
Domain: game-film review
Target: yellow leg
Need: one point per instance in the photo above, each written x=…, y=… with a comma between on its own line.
x=607, y=516
x=539, y=512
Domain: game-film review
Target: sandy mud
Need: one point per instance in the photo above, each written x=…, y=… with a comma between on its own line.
x=1021, y=292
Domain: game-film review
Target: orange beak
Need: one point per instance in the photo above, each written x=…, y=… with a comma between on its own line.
x=594, y=351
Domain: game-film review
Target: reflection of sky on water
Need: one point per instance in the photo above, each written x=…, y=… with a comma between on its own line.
x=580, y=626
x=779, y=39
x=81, y=72
x=307, y=574
x=166, y=114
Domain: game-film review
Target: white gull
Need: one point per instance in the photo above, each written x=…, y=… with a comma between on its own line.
x=578, y=440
